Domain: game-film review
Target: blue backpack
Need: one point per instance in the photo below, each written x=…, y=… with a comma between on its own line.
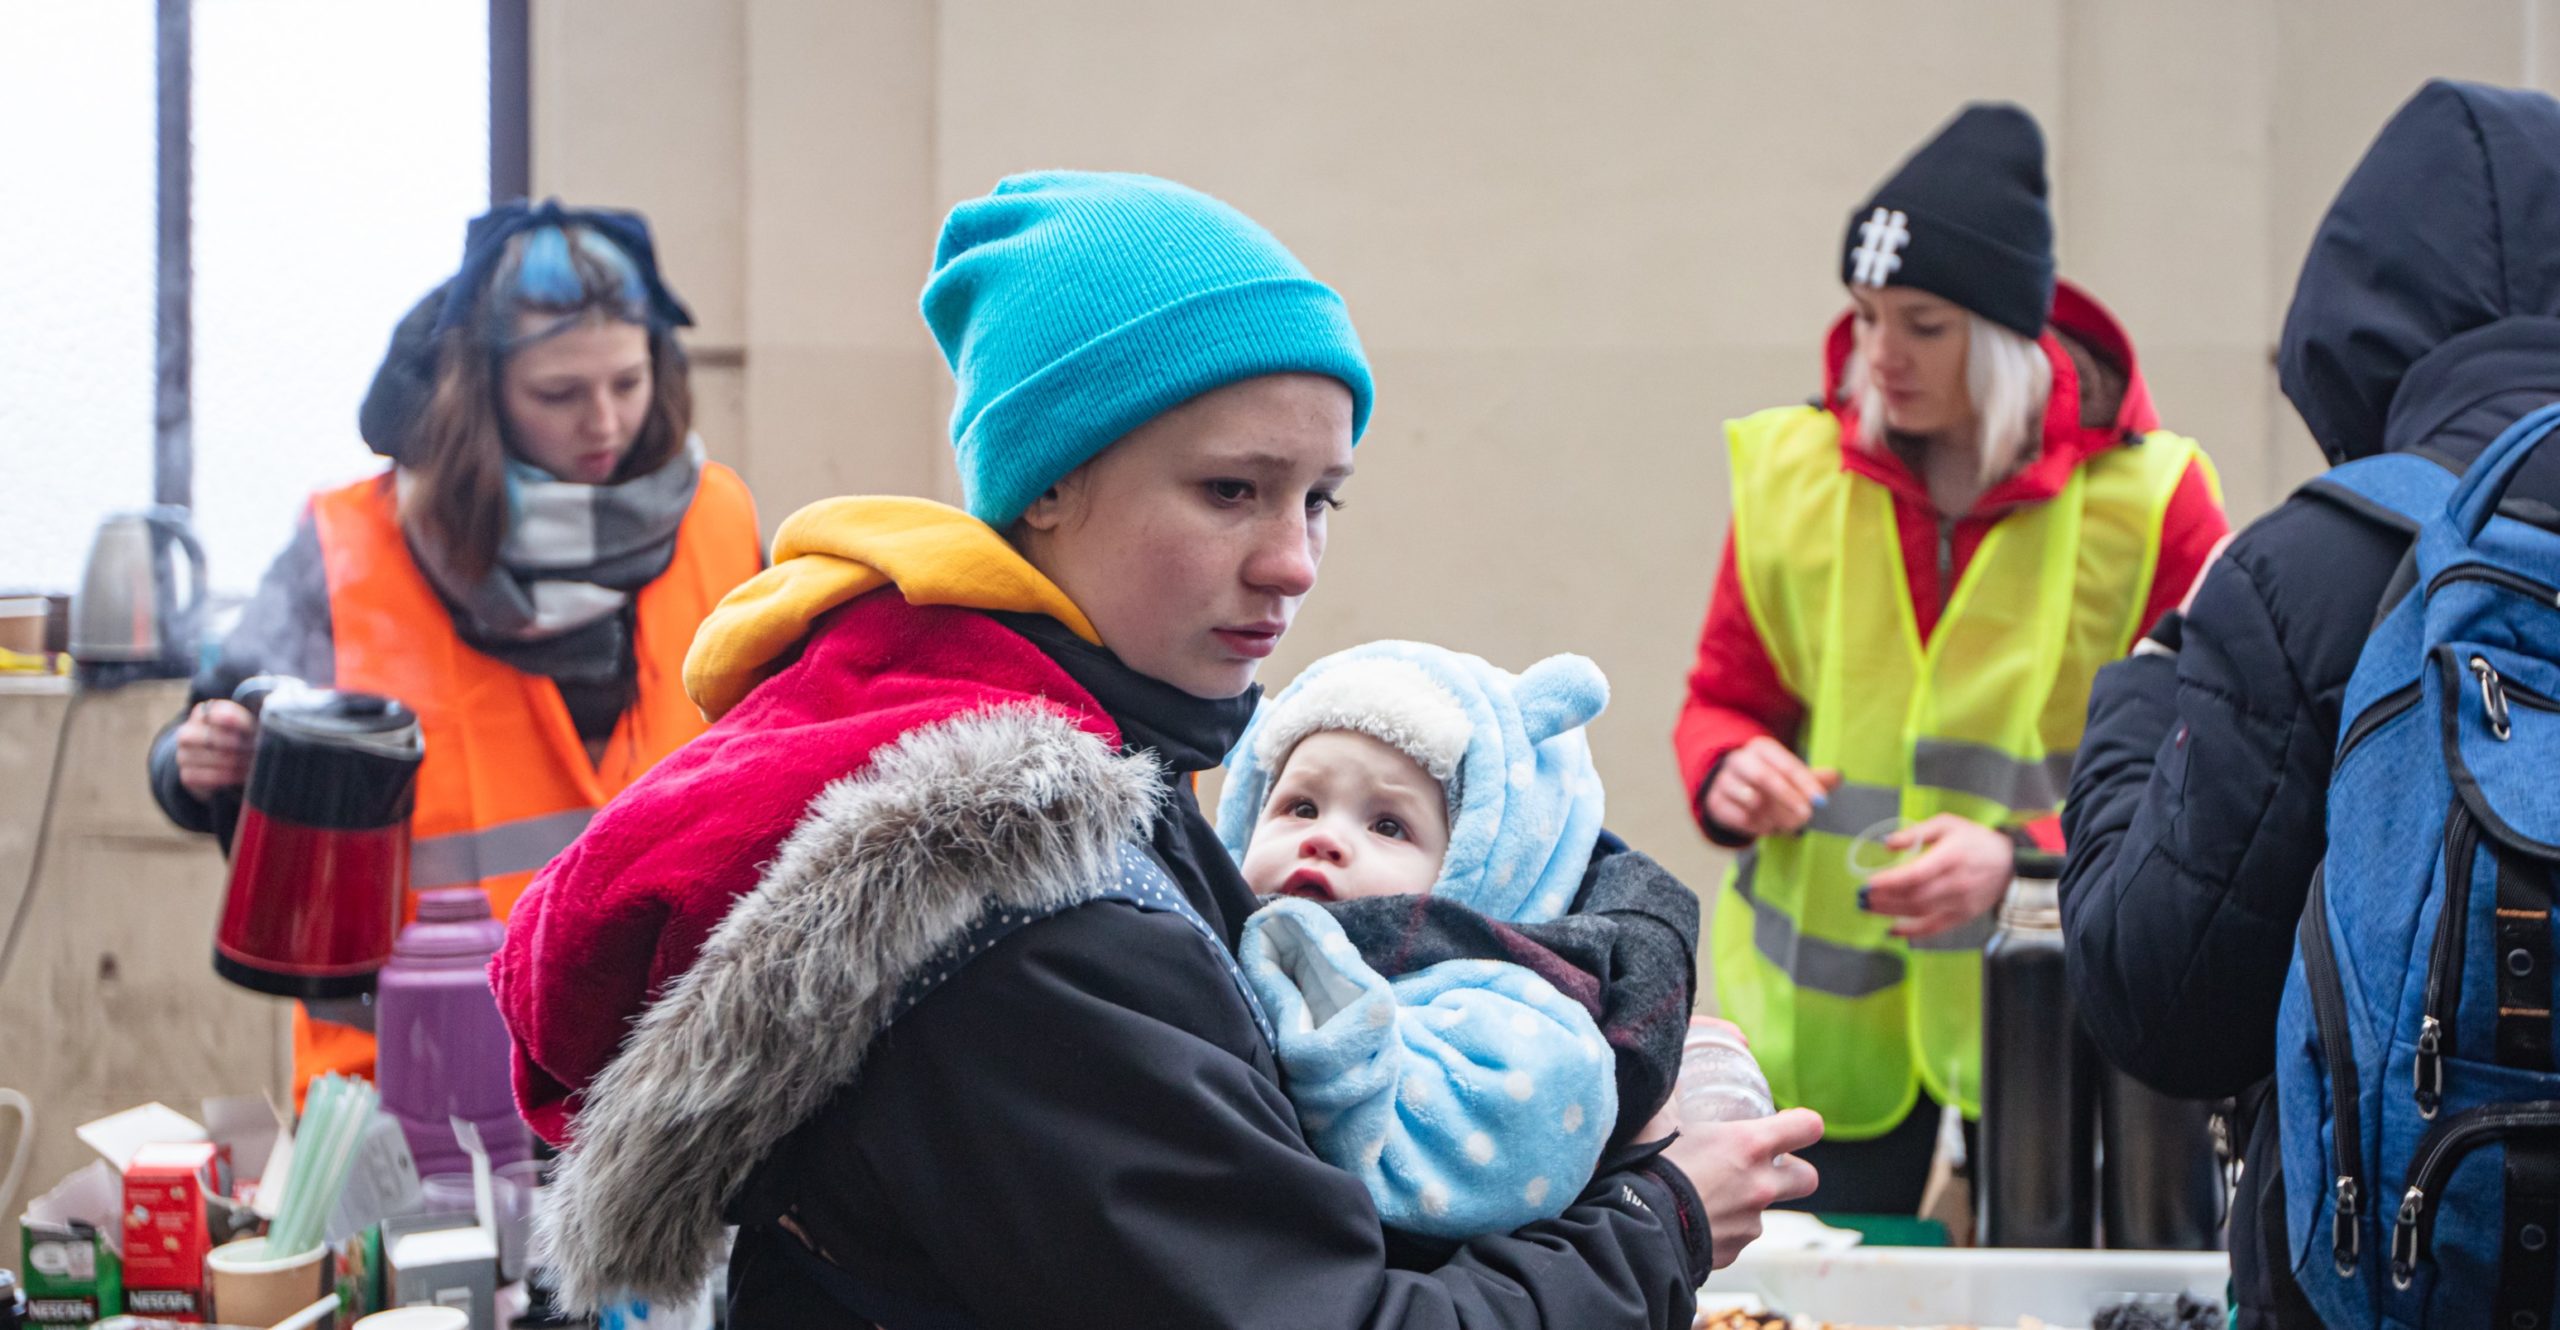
x=2414, y=1056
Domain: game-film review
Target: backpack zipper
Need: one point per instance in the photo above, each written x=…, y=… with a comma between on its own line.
x=2493, y=698
x=2497, y=577
x=2498, y=693
x=2444, y=960
x=2390, y=707
x=2518, y=695
x=2447, y=1142
x=2329, y=1019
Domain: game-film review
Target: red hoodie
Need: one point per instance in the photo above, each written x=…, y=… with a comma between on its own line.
x=1735, y=694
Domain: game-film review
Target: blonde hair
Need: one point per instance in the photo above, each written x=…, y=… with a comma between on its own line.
x=2009, y=381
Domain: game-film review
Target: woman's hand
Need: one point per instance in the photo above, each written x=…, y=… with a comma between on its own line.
x=1742, y=1168
x=213, y=747
x=1959, y=875
x=1764, y=789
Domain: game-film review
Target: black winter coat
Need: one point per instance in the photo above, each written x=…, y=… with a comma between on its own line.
x=1091, y=990
x=1082, y=1126
x=2424, y=321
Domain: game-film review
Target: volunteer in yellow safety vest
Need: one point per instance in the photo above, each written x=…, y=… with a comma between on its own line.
x=527, y=575
x=1925, y=568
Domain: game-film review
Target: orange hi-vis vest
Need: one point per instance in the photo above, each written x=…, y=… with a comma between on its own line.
x=506, y=782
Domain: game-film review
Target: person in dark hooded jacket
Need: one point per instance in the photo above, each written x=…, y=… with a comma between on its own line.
x=2426, y=320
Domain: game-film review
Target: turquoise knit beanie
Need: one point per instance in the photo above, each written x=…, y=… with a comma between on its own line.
x=1074, y=307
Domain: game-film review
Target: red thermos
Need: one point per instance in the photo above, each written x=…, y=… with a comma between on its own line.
x=320, y=861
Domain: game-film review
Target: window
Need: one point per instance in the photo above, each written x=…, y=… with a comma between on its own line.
x=338, y=150
x=77, y=135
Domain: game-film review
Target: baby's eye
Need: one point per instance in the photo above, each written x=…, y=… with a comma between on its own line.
x=1388, y=827
x=1301, y=808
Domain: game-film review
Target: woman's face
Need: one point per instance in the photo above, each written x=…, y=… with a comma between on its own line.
x=1913, y=346
x=1190, y=541
x=574, y=401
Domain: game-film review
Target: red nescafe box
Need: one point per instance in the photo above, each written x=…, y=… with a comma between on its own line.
x=166, y=1228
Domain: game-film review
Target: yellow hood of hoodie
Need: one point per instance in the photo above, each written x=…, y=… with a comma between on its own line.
x=836, y=549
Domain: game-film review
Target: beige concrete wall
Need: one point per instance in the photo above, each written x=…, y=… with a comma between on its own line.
x=109, y=997
x=1575, y=237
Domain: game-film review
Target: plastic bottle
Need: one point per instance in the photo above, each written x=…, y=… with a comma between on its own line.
x=2039, y=1085
x=1719, y=1079
x=442, y=1048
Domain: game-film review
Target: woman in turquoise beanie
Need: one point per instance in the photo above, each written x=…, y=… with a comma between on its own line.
x=919, y=967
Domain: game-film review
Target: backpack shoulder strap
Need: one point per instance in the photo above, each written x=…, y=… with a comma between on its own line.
x=2403, y=491
x=2400, y=491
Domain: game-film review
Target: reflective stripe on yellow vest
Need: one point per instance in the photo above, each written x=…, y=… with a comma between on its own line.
x=506, y=783
x=1982, y=721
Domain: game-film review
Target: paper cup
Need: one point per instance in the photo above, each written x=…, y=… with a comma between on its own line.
x=417, y=1318
x=253, y=1288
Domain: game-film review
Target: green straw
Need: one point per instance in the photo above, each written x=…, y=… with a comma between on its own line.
x=335, y=1115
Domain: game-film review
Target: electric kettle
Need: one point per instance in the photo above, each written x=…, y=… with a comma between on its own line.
x=128, y=622
x=320, y=861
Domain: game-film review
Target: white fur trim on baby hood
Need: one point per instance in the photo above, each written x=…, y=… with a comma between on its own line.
x=1392, y=701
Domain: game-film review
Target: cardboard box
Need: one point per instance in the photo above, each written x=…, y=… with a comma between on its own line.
x=167, y=1190
x=72, y=1275
x=69, y=1243
x=442, y=1261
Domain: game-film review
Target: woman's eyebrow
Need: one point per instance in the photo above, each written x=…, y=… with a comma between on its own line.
x=1271, y=463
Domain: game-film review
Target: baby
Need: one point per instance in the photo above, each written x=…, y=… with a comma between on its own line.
x=1426, y=821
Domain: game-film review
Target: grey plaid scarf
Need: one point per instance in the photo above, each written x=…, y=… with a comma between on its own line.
x=573, y=555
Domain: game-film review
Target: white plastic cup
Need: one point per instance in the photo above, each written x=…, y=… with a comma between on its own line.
x=511, y=1191
x=1719, y=1079
x=423, y=1317
x=1869, y=855
x=448, y=1194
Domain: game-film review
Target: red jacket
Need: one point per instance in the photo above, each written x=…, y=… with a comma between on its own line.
x=1735, y=694
x=623, y=911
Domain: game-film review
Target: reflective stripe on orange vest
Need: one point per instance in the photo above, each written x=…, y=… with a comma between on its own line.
x=506, y=783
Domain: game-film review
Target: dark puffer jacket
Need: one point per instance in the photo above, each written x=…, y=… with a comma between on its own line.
x=2427, y=319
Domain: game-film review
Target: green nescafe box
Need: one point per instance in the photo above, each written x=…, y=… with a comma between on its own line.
x=72, y=1276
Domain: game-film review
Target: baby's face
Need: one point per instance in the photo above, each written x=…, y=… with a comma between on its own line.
x=1348, y=817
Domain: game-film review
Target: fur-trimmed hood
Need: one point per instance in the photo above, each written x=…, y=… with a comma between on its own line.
x=1010, y=807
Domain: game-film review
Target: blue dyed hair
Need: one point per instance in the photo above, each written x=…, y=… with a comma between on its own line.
x=570, y=271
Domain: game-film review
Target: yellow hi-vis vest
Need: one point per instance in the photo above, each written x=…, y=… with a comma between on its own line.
x=1982, y=722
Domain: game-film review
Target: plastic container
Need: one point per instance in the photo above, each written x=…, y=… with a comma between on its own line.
x=1719, y=1079
x=443, y=1050
x=1955, y=1286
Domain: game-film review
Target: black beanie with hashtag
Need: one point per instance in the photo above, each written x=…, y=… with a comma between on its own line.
x=1964, y=217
